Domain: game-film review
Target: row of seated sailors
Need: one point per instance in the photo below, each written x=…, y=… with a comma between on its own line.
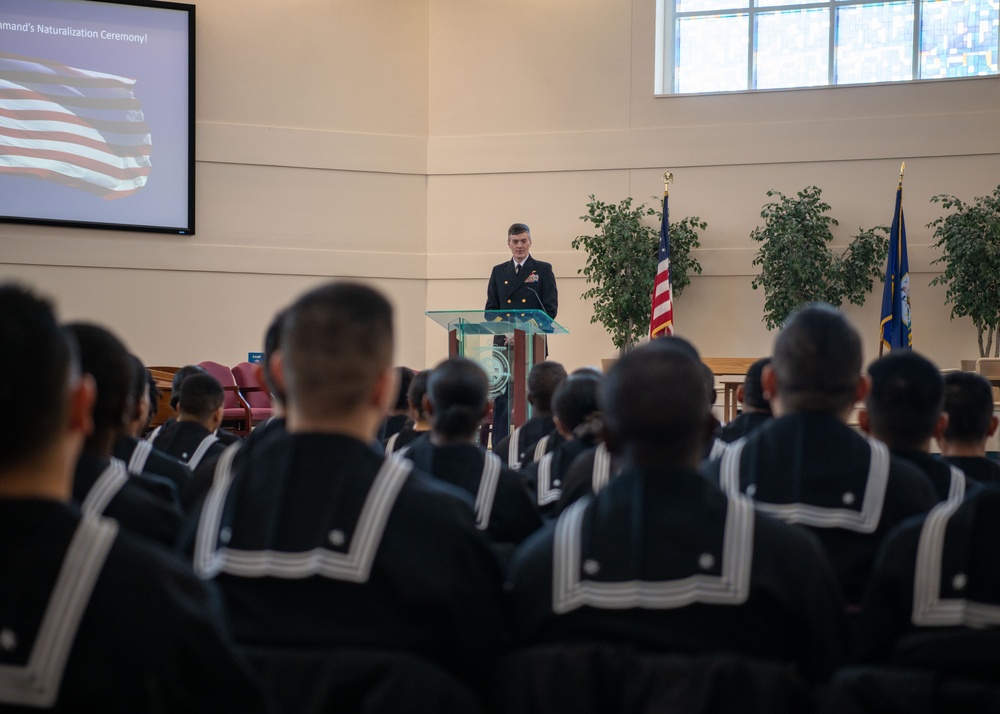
x=317, y=541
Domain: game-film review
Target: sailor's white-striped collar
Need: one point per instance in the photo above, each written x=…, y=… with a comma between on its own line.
x=200, y=452
x=548, y=490
x=861, y=518
x=487, y=492
x=37, y=683
x=514, y=449
x=930, y=609
x=571, y=589
x=105, y=488
x=140, y=455
x=601, y=473
x=212, y=557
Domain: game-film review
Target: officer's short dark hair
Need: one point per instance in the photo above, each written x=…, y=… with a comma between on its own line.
x=517, y=229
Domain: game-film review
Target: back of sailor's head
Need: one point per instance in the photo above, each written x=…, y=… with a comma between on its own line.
x=336, y=342
x=817, y=361
x=656, y=399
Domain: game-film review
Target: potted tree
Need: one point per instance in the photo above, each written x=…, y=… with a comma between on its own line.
x=796, y=262
x=621, y=264
x=969, y=240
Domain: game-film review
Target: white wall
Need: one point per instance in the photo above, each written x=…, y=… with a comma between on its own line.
x=532, y=110
x=312, y=124
x=395, y=140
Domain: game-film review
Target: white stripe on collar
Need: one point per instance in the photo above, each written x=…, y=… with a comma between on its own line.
x=929, y=608
x=863, y=520
x=487, y=493
x=514, y=449
x=541, y=447
x=548, y=491
x=105, y=488
x=601, y=474
x=140, y=455
x=353, y=566
x=718, y=446
x=571, y=590
x=37, y=683
x=956, y=490
x=200, y=452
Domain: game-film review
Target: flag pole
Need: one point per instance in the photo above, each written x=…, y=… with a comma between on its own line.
x=899, y=257
x=661, y=312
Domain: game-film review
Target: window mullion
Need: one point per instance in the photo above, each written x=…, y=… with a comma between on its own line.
x=831, y=69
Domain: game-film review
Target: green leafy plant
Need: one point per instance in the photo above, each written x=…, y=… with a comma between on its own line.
x=970, y=242
x=797, y=265
x=621, y=264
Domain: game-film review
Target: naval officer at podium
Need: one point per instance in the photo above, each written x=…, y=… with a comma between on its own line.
x=521, y=283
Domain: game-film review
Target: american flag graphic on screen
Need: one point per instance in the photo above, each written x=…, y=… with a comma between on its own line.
x=661, y=322
x=77, y=127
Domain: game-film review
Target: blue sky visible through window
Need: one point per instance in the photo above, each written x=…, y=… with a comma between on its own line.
x=734, y=45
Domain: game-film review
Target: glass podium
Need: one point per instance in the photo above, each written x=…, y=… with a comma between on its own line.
x=507, y=345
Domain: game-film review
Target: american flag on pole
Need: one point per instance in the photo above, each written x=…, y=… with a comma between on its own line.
x=662, y=321
x=77, y=127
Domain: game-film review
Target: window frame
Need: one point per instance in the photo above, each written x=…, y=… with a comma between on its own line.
x=666, y=29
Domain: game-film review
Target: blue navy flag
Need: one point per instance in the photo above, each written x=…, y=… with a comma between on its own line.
x=896, y=327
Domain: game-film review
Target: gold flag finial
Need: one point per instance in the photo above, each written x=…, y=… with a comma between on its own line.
x=902, y=168
x=668, y=178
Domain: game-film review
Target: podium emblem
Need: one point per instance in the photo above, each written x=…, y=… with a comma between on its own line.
x=497, y=368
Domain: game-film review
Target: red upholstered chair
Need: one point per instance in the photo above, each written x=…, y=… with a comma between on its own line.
x=236, y=412
x=254, y=392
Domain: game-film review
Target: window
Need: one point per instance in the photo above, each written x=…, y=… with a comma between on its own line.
x=735, y=45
